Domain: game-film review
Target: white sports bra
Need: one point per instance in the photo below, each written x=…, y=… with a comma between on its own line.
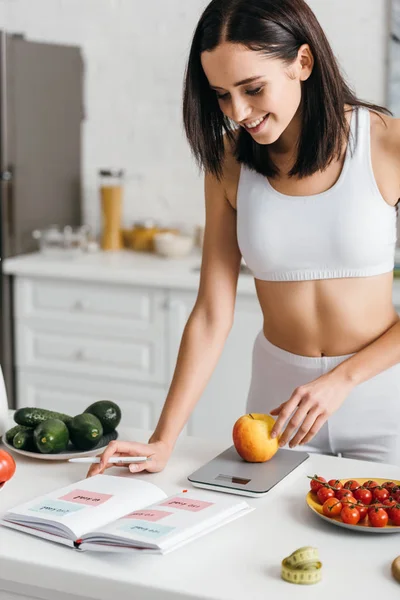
x=346, y=231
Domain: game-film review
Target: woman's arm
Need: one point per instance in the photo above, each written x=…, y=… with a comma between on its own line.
x=211, y=319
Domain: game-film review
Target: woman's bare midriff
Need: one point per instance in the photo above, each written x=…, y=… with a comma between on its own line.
x=329, y=317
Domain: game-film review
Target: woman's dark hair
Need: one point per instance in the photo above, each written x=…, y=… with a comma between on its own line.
x=277, y=28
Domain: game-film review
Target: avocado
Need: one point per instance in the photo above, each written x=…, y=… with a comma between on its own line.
x=51, y=436
x=85, y=431
x=108, y=413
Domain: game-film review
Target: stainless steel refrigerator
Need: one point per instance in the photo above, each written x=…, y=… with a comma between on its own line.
x=41, y=111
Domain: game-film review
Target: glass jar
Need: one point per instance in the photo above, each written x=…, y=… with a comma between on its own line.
x=142, y=235
x=111, y=187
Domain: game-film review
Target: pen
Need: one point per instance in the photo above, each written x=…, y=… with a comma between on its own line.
x=113, y=459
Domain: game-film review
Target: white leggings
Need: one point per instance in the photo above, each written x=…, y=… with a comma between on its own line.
x=365, y=427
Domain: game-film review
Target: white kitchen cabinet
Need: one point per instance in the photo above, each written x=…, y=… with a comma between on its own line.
x=140, y=404
x=224, y=398
x=80, y=341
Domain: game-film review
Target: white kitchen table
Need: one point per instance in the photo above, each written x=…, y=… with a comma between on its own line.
x=239, y=560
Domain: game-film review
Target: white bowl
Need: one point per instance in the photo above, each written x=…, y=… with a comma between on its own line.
x=172, y=245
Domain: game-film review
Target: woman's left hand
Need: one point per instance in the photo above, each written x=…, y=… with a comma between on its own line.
x=310, y=405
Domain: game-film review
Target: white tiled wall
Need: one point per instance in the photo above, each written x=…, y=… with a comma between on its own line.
x=135, y=52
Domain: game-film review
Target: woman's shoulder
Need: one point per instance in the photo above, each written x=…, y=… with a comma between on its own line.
x=385, y=132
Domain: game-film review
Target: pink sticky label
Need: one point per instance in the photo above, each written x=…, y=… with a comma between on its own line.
x=86, y=497
x=187, y=504
x=149, y=515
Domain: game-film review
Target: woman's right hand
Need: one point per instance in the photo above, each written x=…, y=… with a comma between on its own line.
x=158, y=451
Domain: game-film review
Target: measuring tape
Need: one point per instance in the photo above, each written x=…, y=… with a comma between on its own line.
x=302, y=566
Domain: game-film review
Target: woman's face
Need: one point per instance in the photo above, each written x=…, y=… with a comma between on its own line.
x=259, y=93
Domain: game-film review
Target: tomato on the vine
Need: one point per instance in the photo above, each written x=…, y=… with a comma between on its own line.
x=332, y=507
x=351, y=485
x=363, y=510
x=394, y=514
x=336, y=483
x=380, y=493
x=316, y=485
x=340, y=494
x=348, y=500
x=350, y=515
x=378, y=517
x=389, y=485
x=389, y=502
x=363, y=494
x=324, y=493
x=370, y=484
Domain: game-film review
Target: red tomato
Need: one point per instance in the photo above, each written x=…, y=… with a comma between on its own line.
x=332, y=507
x=351, y=485
x=394, y=490
x=370, y=484
x=389, y=503
x=363, y=495
x=324, y=493
x=340, y=494
x=378, y=517
x=380, y=493
x=389, y=485
x=396, y=495
x=316, y=485
x=363, y=510
x=338, y=485
x=394, y=514
x=7, y=466
x=348, y=500
x=350, y=515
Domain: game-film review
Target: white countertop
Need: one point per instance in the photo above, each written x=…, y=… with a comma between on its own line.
x=239, y=560
x=123, y=267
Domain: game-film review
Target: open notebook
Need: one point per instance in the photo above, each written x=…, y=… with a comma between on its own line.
x=121, y=514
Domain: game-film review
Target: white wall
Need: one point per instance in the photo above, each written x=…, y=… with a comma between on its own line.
x=135, y=54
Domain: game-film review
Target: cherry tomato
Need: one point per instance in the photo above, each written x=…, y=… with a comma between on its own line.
x=378, y=517
x=340, y=494
x=389, y=503
x=389, y=485
x=394, y=490
x=316, y=485
x=363, y=510
x=338, y=485
x=348, y=500
x=350, y=515
x=7, y=466
x=351, y=485
x=380, y=493
x=396, y=495
x=370, y=484
x=363, y=494
x=332, y=507
x=394, y=514
x=324, y=493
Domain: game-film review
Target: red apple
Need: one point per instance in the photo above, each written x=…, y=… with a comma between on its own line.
x=252, y=437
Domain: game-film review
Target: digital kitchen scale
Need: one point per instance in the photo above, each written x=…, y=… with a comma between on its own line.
x=228, y=472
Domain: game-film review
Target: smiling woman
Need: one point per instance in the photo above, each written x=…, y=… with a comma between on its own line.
x=302, y=179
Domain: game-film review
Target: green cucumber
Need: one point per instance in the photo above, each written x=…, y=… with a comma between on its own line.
x=13, y=431
x=85, y=431
x=32, y=416
x=51, y=436
x=108, y=413
x=23, y=440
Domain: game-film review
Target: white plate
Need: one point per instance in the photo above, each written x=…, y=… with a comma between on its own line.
x=72, y=453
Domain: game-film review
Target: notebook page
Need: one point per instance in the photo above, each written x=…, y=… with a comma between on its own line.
x=87, y=504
